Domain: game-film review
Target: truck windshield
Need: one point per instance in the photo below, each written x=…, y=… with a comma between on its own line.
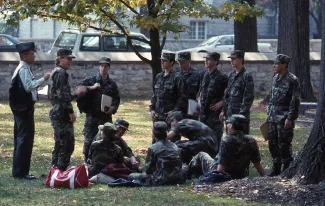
x=209, y=42
x=66, y=40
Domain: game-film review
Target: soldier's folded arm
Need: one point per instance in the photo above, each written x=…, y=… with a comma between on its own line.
x=295, y=101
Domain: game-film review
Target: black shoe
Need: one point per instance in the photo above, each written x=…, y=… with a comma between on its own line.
x=276, y=170
x=29, y=177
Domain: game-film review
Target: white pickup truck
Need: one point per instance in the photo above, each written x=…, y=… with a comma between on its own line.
x=224, y=43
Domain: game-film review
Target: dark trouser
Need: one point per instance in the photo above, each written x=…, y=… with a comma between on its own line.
x=64, y=143
x=90, y=131
x=191, y=148
x=24, y=130
x=280, y=142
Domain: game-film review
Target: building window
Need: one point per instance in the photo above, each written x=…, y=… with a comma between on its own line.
x=197, y=30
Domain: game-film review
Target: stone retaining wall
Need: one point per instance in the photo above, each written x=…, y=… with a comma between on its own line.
x=134, y=77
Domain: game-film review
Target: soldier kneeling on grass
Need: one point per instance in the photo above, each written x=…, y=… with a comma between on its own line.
x=163, y=164
x=235, y=154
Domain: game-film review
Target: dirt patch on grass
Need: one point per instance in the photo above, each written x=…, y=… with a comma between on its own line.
x=268, y=190
x=260, y=107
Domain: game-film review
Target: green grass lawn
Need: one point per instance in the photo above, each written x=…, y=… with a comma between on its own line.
x=22, y=192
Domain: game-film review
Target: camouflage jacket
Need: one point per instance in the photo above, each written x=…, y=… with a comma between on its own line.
x=126, y=150
x=61, y=96
x=192, y=80
x=102, y=153
x=197, y=131
x=236, y=152
x=284, y=98
x=239, y=94
x=168, y=94
x=163, y=163
x=94, y=97
x=212, y=90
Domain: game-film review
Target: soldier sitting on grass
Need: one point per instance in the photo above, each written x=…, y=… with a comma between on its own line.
x=163, y=163
x=200, y=137
x=236, y=152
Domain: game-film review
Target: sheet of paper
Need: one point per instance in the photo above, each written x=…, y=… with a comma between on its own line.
x=192, y=107
x=43, y=90
x=106, y=102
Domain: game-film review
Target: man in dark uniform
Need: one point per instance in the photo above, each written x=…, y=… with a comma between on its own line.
x=104, y=151
x=282, y=112
x=163, y=163
x=169, y=93
x=200, y=137
x=212, y=90
x=240, y=92
x=190, y=76
x=236, y=152
x=22, y=97
x=61, y=114
x=96, y=87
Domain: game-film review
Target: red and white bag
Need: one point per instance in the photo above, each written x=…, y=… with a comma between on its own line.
x=75, y=177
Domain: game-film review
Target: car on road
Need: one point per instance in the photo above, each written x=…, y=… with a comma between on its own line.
x=7, y=43
x=223, y=43
x=94, y=41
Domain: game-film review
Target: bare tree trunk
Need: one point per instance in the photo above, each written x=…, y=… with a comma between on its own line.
x=246, y=33
x=309, y=165
x=293, y=40
x=155, y=52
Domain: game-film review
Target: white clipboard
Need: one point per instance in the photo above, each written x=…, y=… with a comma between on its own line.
x=43, y=90
x=106, y=102
x=192, y=107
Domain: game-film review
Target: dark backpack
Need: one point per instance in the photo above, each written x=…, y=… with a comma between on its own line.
x=214, y=177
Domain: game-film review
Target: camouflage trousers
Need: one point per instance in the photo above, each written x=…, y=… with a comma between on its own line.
x=201, y=163
x=90, y=131
x=280, y=140
x=191, y=148
x=64, y=143
x=216, y=125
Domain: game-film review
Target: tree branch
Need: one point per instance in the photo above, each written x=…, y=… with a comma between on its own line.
x=126, y=35
x=129, y=7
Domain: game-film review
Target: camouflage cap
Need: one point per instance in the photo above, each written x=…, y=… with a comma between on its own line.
x=236, y=118
x=174, y=115
x=107, y=127
x=105, y=60
x=183, y=56
x=120, y=122
x=282, y=58
x=159, y=127
x=213, y=56
x=237, y=54
x=64, y=53
x=25, y=46
x=168, y=56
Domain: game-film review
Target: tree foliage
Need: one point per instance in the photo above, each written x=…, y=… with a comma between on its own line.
x=118, y=16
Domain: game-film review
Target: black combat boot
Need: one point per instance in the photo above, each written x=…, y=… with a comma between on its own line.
x=276, y=170
x=285, y=166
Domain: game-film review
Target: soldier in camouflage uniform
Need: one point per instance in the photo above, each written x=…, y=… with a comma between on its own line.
x=163, y=163
x=129, y=158
x=62, y=115
x=104, y=151
x=236, y=152
x=281, y=114
x=239, y=95
x=96, y=87
x=212, y=90
x=190, y=76
x=169, y=93
x=200, y=137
